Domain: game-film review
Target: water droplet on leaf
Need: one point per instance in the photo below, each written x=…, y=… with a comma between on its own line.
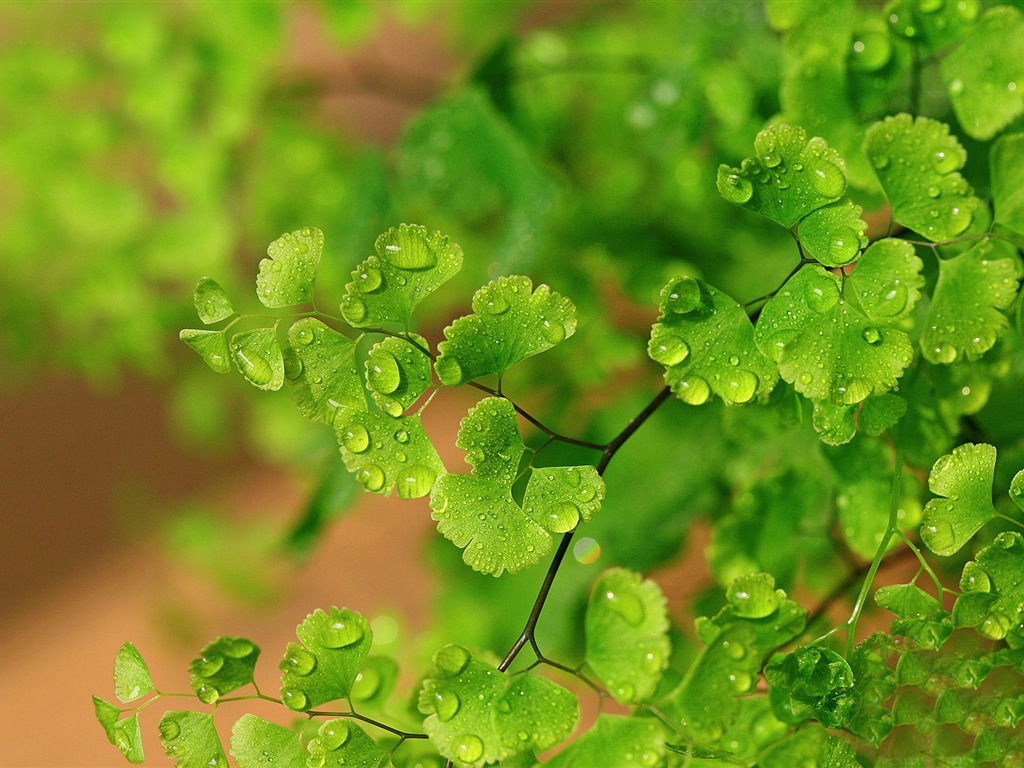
x=353, y=309
x=299, y=661
x=451, y=659
x=823, y=295
x=627, y=605
x=383, y=373
x=339, y=632
x=736, y=189
x=469, y=748
x=415, y=481
x=293, y=698
x=562, y=517
x=872, y=335
x=333, y=734
x=369, y=280
x=372, y=477
x=446, y=705
x=355, y=438
x=828, y=179
x=694, y=390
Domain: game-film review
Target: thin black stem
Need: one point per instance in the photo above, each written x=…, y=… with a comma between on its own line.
x=356, y=716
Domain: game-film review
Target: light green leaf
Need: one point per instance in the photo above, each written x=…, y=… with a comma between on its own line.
x=336, y=644
x=966, y=314
x=212, y=302
x=343, y=743
x=510, y=322
x=918, y=163
x=627, y=634
x=107, y=715
x=1017, y=489
x=1006, y=161
x=834, y=234
x=834, y=423
x=935, y=24
x=810, y=682
x=993, y=592
x=127, y=737
x=212, y=346
x=879, y=414
x=398, y=372
x=386, y=452
x=131, y=675
x=287, y=277
x=256, y=743
x=908, y=601
x=810, y=746
x=410, y=265
x=190, y=739
x=788, y=177
x=224, y=665
x=375, y=681
x=985, y=74
x=706, y=343
x=477, y=714
x=614, y=742
x=323, y=369
x=964, y=478
x=259, y=358
x=478, y=512
x=839, y=341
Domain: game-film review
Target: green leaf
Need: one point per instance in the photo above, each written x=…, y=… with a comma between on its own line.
x=627, y=634
x=478, y=512
x=212, y=346
x=477, y=714
x=386, y=452
x=935, y=24
x=323, y=370
x=985, y=74
x=510, y=322
x=614, y=741
x=190, y=739
x=398, y=373
x=966, y=314
x=754, y=596
x=224, y=665
x=918, y=163
x=212, y=302
x=706, y=343
x=1006, y=160
x=834, y=423
x=256, y=743
x=1017, y=490
x=788, y=177
x=343, y=743
x=336, y=644
x=131, y=675
x=874, y=685
x=375, y=681
x=907, y=601
x=810, y=746
x=410, y=265
x=287, y=277
x=107, y=715
x=839, y=341
x=811, y=682
x=879, y=414
x=834, y=234
x=964, y=477
x=993, y=592
x=259, y=358
x=127, y=737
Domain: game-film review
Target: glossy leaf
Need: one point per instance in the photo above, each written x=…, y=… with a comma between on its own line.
x=386, y=452
x=834, y=423
x=985, y=74
x=223, y=666
x=614, y=742
x=323, y=371
x=287, y=277
x=810, y=746
x=840, y=341
x=131, y=675
x=966, y=315
x=835, y=234
x=918, y=163
x=212, y=302
x=788, y=177
x=627, y=634
x=1007, y=167
x=190, y=740
x=212, y=346
x=341, y=742
x=107, y=715
x=874, y=685
x=398, y=373
x=706, y=343
x=256, y=743
x=811, y=682
x=334, y=645
x=477, y=714
x=490, y=437
x=510, y=322
x=964, y=479
x=409, y=265
x=907, y=601
x=993, y=592
x=127, y=737
x=259, y=358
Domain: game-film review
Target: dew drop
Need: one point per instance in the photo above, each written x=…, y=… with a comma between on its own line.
x=552, y=331
x=653, y=661
x=845, y=244
x=828, y=179
x=413, y=254
x=415, y=481
x=369, y=280
x=945, y=162
x=741, y=386
x=449, y=371
x=996, y=625
x=383, y=373
x=293, y=698
x=975, y=579
x=823, y=295
x=943, y=353
x=207, y=693
x=236, y=647
x=333, y=734
x=254, y=367
x=469, y=748
x=299, y=661
x=956, y=86
x=451, y=659
x=892, y=301
x=495, y=304
x=736, y=189
x=934, y=192
x=372, y=477
x=353, y=309
x=340, y=632
x=733, y=649
x=366, y=684
x=627, y=605
x=207, y=666
x=753, y=596
x=693, y=391
x=741, y=682
x=958, y=220
x=682, y=296
x=355, y=438
x=939, y=537
x=562, y=517
x=446, y=705
x=169, y=729
x=666, y=347
x=872, y=335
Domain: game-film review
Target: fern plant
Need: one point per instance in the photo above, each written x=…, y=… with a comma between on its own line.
x=865, y=409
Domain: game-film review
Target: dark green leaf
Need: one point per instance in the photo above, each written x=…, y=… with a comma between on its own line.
x=224, y=665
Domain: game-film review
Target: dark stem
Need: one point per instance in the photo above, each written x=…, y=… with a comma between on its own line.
x=356, y=716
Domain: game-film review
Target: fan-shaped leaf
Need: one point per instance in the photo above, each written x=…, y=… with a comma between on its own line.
x=131, y=675
x=259, y=358
x=1006, y=162
x=627, y=634
x=477, y=714
x=287, y=277
x=256, y=743
x=410, y=265
x=811, y=682
x=336, y=644
x=341, y=742
x=127, y=737
x=966, y=314
x=964, y=478
x=834, y=234
x=993, y=591
x=107, y=715
x=706, y=343
x=810, y=746
x=322, y=368
x=510, y=322
x=224, y=665
x=190, y=739
x=398, y=372
x=212, y=346
x=614, y=742
x=212, y=302
x=918, y=163
x=490, y=436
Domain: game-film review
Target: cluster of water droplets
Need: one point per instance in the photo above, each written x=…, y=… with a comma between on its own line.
x=411, y=478
x=222, y=660
x=287, y=276
x=332, y=736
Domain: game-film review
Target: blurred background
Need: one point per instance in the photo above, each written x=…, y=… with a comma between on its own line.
x=144, y=145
